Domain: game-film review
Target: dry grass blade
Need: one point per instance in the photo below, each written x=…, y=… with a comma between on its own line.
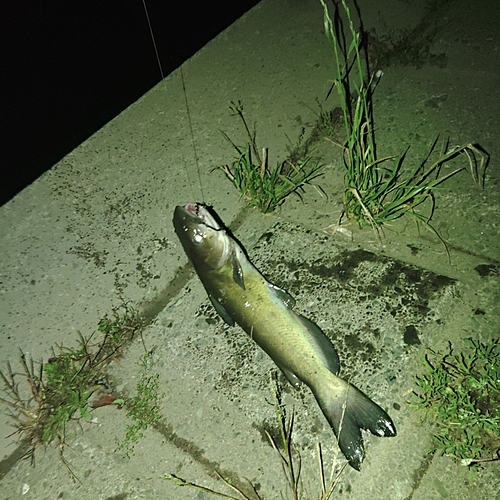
x=285, y=423
x=327, y=492
x=234, y=488
x=290, y=460
x=182, y=482
x=28, y=418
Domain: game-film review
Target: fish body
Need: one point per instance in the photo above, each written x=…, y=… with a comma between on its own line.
x=241, y=295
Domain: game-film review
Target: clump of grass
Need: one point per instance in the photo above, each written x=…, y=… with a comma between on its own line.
x=143, y=408
x=264, y=187
x=59, y=390
x=460, y=394
x=376, y=194
x=289, y=456
x=380, y=195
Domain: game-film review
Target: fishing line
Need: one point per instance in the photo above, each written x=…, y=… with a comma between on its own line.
x=153, y=39
x=192, y=135
x=188, y=112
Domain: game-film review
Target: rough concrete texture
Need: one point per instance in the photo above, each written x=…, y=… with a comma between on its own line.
x=97, y=228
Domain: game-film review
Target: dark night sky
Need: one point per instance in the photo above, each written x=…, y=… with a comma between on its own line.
x=68, y=67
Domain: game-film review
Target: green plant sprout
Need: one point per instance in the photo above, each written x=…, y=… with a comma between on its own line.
x=264, y=187
x=289, y=457
x=375, y=194
x=143, y=408
x=460, y=394
x=61, y=388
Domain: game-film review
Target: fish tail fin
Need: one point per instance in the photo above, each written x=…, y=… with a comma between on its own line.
x=348, y=411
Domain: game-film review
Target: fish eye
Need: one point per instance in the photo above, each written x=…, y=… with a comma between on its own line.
x=198, y=237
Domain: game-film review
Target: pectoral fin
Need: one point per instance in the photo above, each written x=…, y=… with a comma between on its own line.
x=237, y=272
x=221, y=311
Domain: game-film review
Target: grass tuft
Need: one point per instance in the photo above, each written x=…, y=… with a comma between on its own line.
x=460, y=394
x=144, y=408
x=59, y=390
x=264, y=187
x=376, y=194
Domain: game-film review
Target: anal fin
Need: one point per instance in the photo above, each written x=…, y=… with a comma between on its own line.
x=291, y=377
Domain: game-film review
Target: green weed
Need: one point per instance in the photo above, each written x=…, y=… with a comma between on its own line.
x=143, y=408
x=264, y=187
x=460, y=394
x=58, y=391
x=376, y=194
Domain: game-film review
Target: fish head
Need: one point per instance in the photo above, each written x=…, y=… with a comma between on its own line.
x=205, y=241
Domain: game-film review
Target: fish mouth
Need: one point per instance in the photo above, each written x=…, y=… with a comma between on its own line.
x=199, y=213
x=201, y=235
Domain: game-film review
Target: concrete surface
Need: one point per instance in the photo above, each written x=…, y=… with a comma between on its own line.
x=97, y=228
